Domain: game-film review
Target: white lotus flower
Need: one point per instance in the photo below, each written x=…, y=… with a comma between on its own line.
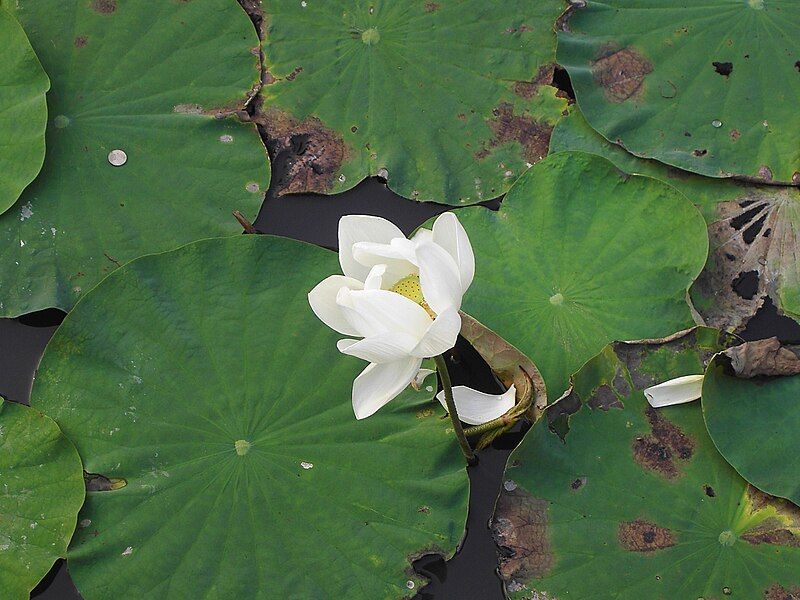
x=675, y=391
x=402, y=296
x=477, y=408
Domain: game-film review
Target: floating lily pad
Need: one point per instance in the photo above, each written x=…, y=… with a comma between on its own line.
x=637, y=502
x=448, y=108
x=711, y=89
x=41, y=492
x=753, y=422
x=579, y=255
x=137, y=161
x=23, y=111
x=202, y=380
x=754, y=232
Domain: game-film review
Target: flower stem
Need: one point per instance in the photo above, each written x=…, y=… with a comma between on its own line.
x=444, y=376
x=489, y=426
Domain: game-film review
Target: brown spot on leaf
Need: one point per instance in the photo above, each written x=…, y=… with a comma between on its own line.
x=104, y=7
x=621, y=73
x=532, y=135
x=604, y=398
x=313, y=153
x=578, y=483
x=661, y=451
x=723, y=68
x=100, y=483
x=81, y=41
x=644, y=536
x=295, y=72
x=528, y=89
x=765, y=173
x=256, y=14
x=735, y=134
x=778, y=592
x=431, y=7
x=521, y=531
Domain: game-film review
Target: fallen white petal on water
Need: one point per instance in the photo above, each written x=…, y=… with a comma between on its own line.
x=476, y=408
x=675, y=391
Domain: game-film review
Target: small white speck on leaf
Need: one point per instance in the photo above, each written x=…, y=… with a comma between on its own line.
x=25, y=212
x=307, y=465
x=342, y=178
x=85, y=523
x=226, y=139
x=117, y=158
x=410, y=584
x=252, y=187
x=21, y=244
x=510, y=485
x=128, y=551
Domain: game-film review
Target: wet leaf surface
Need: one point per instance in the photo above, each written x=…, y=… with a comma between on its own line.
x=355, y=89
x=578, y=255
x=246, y=473
x=637, y=502
x=709, y=89
x=23, y=111
x=41, y=491
x=138, y=160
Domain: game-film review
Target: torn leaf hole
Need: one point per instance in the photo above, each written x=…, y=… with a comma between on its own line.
x=746, y=285
x=100, y=483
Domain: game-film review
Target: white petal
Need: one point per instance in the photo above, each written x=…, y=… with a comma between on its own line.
x=374, y=280
x=399, y=256
x=362, y=228
x=422, y=235
x=323, y=302
x=476, y=408
x=372, y=312
x=675, y=391
x=382, y=348
x=378, y=384
x=450, y=234
x=439, y=278
x=440, y=336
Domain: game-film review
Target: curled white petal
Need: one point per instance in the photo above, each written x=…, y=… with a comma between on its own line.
x=450, y=234
x=362, y=228
x=675, y=391
x=438, y=278
x=398, y=256
x=378, y=384
x=323, y=302
x=476, y=408
x=374, y=280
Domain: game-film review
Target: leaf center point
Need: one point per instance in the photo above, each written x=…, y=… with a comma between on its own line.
x=557, y=299
x=370, y=36
x=242, y=447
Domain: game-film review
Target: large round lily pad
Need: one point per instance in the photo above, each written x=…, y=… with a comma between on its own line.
x=753, y=422
x=754, y=232
x=201, y=378
x=23, y=111
x=446, y=98
x=637, y=502
x=711, y=88
x=41, y=491
x=147, y=79
x=579, y=255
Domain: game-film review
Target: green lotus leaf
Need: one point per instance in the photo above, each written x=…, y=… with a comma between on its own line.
x=41, y=492
x=636, y=502
x=201, y=380
x=753, y=422
x=448, y=108
x=23, y=111
x=754, y=229
x=579, y=255
x=147, y=79
x=710, y=89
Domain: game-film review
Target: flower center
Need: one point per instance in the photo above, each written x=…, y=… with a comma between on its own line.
x=411, y=289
